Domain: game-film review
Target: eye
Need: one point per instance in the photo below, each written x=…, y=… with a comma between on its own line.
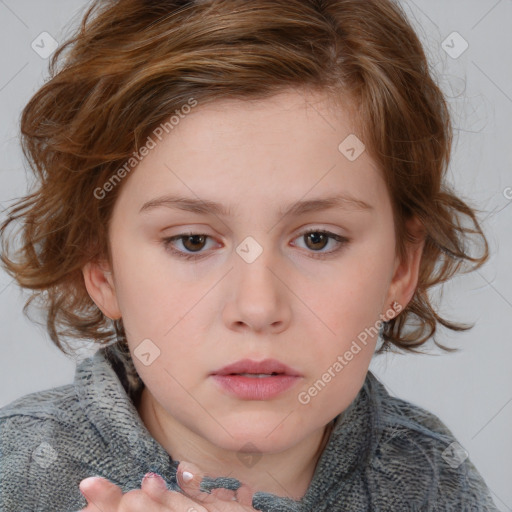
x=318, y=239
x=192, y=242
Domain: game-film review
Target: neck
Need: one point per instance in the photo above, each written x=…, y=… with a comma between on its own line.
x=286, y=473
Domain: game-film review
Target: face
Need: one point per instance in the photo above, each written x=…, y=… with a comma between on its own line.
x=208, y=288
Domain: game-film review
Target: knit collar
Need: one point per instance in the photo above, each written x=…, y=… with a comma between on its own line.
x=109, y=408
x=106, y=402
x=351, y=445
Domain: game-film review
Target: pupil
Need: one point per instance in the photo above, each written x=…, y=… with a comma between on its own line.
x=317, y=238
x=195, y=238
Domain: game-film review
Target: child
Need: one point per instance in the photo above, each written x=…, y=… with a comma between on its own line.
x=302, y=146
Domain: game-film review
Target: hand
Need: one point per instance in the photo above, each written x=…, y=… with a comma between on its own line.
x=104, y=496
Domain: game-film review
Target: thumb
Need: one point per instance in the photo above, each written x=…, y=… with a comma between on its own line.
x=100, y=493
x=206, y=489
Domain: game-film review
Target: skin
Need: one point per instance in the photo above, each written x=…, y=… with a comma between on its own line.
x=254, y=158
x=104, y=496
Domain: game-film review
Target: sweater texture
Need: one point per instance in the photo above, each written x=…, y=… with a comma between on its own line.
x=383, y=453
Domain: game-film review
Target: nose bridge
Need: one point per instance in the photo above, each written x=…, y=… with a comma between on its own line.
x=258, y=296
x=252, y=267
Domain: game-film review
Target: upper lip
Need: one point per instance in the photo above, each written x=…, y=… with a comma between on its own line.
x=249, y=366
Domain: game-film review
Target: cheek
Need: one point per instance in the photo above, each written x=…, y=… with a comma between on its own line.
x=351, y=309
x=158, y=305
x=353, y=298
x=148, y=290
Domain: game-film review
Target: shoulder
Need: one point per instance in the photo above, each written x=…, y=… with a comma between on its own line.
x=56, y=408
x=42, y=438
x=416, y=451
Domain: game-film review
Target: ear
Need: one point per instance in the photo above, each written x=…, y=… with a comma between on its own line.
x=406, y=273
x=100, y=286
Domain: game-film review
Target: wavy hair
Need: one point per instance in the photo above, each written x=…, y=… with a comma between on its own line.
x=132, y=63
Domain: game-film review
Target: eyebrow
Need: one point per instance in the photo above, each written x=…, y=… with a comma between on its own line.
x=205, y=206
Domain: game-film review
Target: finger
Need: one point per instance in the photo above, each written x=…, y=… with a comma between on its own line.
x=154, y=486
x=200, y=487
x=138, y=500
x=224, y=494
x=244, y=495
x=100, y=493
x=205, y=489
x=171, y=500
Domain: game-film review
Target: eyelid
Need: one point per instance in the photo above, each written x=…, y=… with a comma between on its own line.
x=341, y=240
x=167, y=242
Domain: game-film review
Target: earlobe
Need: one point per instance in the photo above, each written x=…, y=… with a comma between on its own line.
x=100, y=286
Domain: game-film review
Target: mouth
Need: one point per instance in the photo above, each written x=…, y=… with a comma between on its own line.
x=252, y=380
x=256, y=375
x=257, y=369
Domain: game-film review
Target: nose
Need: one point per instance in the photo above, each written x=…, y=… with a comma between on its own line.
x=258, y=298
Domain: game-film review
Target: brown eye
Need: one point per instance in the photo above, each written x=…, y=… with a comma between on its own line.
x=318, y=240
x=194, y=243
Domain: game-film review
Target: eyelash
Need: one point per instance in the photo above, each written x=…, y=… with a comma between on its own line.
x=342, y=241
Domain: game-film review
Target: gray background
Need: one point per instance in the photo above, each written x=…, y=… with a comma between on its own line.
x=470, y=391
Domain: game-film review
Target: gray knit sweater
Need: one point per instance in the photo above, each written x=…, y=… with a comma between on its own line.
x=384, y=454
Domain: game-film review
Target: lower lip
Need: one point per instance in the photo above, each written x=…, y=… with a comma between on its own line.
x=256, y=388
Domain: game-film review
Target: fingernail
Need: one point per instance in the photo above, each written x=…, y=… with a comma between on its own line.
x=187, y=476
x=156, y=478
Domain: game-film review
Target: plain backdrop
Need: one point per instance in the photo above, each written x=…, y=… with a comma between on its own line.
x=469, y=44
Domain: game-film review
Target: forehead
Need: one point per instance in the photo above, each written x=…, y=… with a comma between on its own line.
x=276, y=150
x=286, y=114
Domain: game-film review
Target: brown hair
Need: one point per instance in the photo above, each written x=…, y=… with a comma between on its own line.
x=133, y=63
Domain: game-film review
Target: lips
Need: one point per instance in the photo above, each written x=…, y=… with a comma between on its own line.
x=256, y=380
x=248, y=366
